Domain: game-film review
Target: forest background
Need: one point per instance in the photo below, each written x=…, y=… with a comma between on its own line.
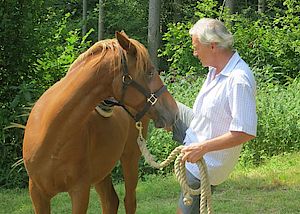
x=39, y=39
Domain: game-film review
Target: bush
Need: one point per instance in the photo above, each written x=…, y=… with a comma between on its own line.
x=268, y=43
x=278, y=110
x=178, y=46
x=63, y=48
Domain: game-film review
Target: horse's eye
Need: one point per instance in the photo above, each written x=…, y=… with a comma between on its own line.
x=151, y=73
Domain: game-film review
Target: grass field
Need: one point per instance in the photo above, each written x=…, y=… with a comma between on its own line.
x=272, y=188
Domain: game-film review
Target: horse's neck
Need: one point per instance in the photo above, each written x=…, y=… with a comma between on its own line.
x=74, y=97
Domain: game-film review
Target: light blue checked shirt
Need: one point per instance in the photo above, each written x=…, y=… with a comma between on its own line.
x=226, y=102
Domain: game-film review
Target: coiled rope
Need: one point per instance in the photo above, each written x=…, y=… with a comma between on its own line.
x=180, y=172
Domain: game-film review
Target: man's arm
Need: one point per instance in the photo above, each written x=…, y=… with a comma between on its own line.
x=195, y=151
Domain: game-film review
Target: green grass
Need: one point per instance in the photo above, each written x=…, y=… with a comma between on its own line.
x=272, y=188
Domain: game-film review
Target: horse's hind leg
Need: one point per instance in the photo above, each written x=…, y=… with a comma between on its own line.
x=40, y=201
x=80, y=198
x=108, y=196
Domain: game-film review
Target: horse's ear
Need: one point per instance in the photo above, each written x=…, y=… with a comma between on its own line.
x=125, y=43
x=124, y=34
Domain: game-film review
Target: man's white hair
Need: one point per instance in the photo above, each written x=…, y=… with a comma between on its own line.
x=209, y=30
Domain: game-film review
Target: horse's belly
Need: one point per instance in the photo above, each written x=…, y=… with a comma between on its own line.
x=105, y=157
x=60, y=175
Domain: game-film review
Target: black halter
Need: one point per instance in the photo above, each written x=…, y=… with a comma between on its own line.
x=151, y=98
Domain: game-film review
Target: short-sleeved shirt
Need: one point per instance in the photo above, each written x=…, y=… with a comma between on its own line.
x=226, y=102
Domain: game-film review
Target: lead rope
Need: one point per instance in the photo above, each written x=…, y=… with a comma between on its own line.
x=205, y=189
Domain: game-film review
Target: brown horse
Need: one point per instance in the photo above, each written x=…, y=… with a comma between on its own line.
x=67, y=147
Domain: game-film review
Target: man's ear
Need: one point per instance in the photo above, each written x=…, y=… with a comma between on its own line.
x=213, y=45
x=125, y=43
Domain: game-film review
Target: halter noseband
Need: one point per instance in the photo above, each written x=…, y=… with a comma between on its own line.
x=151, y=98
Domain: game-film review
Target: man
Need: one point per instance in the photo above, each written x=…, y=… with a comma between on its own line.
x=224, y=113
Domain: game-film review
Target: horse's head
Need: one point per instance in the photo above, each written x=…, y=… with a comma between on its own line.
x=139, y=85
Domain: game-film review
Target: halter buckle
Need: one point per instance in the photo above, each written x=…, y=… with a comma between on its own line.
x=152, y=99
x=127, y=79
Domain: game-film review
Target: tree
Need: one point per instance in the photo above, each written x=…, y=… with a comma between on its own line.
x=84, y=16
x=261, y=6
x=230, y=4
x=101, y=20
x=154, y=36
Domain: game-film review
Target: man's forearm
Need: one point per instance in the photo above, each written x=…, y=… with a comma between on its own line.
x=226, y=141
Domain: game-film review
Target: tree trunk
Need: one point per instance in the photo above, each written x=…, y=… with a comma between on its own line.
x=261, y=6
x=231, y=5
x=84, y=9
x=101, y=20
x=154, y=36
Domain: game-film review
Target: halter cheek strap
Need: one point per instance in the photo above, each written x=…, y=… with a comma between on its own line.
x=151, y=98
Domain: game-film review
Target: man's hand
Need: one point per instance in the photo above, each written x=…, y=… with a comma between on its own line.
x=193, y=152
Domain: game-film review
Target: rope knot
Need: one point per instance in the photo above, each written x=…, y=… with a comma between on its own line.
x=187, y=200
x=204, y=191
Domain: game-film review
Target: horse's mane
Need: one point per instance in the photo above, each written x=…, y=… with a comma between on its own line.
x=102, y=47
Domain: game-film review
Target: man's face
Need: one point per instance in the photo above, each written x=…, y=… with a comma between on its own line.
x=201, y=51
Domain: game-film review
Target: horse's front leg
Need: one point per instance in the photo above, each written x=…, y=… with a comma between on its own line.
x=40, y=201
x=108, y=196
x=130, y=164
x=80, y=194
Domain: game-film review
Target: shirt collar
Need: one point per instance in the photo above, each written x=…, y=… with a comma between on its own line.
x=231, y=64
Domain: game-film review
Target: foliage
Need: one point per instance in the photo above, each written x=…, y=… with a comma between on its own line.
x=63, y=48
x=26, y=27
x=178, y=51
x=11, y=151
x=278, y=110
x=178, y=46
x=130, y=16
x=18, y=44
x=269, y=44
